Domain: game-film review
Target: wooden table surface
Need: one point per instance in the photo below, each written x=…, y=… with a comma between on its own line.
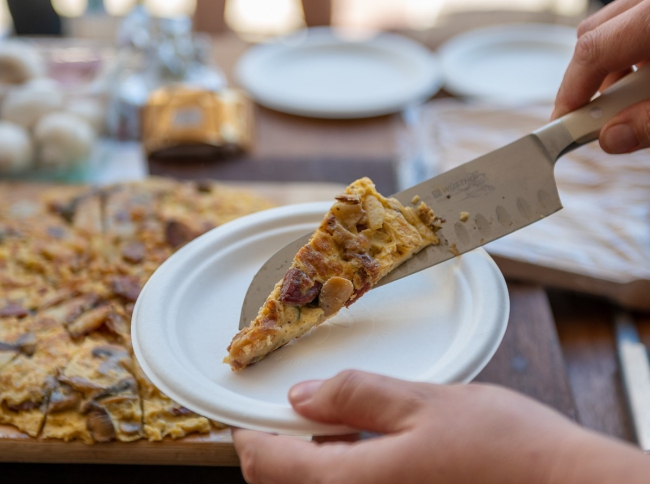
x=559, y=347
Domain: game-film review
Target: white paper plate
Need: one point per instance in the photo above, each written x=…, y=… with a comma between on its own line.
x=508, y=63
x=318, y=73
x=442, y=325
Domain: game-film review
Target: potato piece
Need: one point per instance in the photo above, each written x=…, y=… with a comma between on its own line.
x=375, y=211
x=89, y=321
x=348, y=214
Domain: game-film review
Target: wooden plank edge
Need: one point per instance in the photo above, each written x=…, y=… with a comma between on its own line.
x=213, y=449
x=629, y=294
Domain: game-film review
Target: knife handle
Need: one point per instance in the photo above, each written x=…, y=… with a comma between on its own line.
x=585, y=123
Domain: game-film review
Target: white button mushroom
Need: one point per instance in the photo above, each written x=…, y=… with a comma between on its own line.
x=26, y=105
x=91, y=111
x=19, y=62
x=62, y=140
x=16, y=150
x=42, y=84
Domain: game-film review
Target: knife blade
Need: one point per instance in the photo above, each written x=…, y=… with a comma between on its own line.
x=503, y=191
x=635, y=367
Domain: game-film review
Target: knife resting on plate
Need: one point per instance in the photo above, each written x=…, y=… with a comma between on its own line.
x=502, y=191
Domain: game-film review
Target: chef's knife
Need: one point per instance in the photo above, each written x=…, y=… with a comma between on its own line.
x=635, y=367
x=502, y=191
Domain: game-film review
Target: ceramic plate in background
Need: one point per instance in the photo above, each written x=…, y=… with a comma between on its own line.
x=318, y=73
x=512, y=63
x=441, y=325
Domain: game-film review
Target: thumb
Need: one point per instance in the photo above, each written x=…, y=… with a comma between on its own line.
x=363, y=401
x=628, y=131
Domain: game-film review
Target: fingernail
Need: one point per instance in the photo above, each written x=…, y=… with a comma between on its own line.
x=620, y=138
x=303, y=392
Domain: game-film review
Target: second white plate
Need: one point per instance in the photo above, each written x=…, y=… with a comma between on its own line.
x=441, y=325
x=318, y=73
x=510, y=63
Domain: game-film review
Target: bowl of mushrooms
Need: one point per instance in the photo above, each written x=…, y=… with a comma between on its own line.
x=49, y=123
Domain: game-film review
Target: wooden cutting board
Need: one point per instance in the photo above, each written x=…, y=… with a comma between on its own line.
x=213, y=449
